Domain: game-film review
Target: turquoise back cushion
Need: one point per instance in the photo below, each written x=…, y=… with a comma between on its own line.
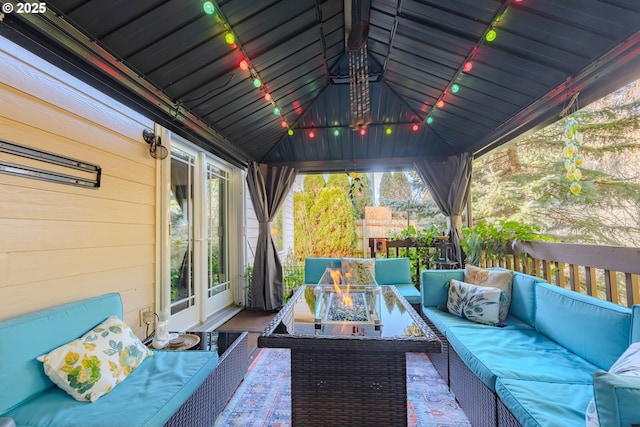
x=390, y=271
x=26, y=337
x=433, y=286
x=523, y=297
x=596, y=330
x=314, y=268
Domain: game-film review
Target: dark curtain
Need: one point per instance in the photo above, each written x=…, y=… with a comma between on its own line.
x=449, y=182
x=268, y=187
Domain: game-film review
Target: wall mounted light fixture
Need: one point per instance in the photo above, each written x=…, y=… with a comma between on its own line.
x=156, y=149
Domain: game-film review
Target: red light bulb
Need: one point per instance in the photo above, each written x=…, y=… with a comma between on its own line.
x=415, y=128
x=283, y=124
x=467, y=66
x=267, y=97
x=440, y=104
x=244, y=65
x=363, y=131
x=312, y=134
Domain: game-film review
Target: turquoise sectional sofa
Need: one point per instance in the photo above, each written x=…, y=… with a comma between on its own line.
x=539, y=368
x=389, y=271
x=167, y=388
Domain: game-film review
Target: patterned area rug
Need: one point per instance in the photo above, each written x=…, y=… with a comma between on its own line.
x=264, y=397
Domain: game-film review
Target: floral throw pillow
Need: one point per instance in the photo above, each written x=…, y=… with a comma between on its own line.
x=479, y=304
x=501, y=279
x=627, y=364
x=92, y=365
x=358, y=271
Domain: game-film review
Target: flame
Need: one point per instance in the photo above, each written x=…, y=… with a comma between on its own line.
x=336, y=276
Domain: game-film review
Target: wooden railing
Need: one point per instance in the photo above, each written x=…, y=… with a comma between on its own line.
x=606, y=272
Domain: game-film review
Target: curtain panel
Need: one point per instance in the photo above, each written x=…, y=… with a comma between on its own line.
x=449, y=182
x=268, y=188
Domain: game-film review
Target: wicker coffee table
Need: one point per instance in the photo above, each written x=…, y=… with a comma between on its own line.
x=349, y=373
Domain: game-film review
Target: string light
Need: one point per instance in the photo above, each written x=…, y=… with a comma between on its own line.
x=209, y=8
x=312, y=134
x=468, y=66
x=336, y=132
x=429, y=120
x=440, y=104
x=415, y=128
x=491, y=35
x=388, y=131
x=257, y=82
x=276, y=111
x=267, y=97
x=455, y=89
x=284, y=124
x=290, y=132
x=363, y=131
x=244, y=65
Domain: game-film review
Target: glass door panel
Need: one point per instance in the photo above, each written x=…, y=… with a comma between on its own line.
x=181, y=230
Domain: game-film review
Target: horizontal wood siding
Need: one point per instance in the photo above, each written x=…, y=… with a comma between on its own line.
x=60, y=243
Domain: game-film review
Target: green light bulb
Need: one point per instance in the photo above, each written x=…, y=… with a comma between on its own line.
x=257, y=82
x=429, y=120
x=455, y=88
x=209, y=8
x=491, y=35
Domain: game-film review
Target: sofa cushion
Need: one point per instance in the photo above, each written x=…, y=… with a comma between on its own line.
x=445, y=321
x=523, y=297
x=583, y=324
x=37, y=333
x=519, y=354
x=501, y=279
x=479, y=304
x=393, y=271
x=91, y=366
x=149, y=396
x=314, y=268
x=358, y=271
x=434, y=286
x=606, y=394
x=409, y=292
x=539, y=403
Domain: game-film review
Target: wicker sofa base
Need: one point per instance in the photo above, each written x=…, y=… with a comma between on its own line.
x=208, y=401
x=505, y=417
x=440, y=361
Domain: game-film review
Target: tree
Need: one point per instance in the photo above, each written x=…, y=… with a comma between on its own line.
x=339, y=180
x=527, y=182
x=395, y=189
x=302, y=204
x=332, y=230
x=362, y=195
x=313, y=183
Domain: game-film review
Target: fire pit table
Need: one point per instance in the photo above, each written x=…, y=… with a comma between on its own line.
x=348, y=353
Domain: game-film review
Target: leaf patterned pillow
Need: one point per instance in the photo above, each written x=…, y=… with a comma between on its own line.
x=360, y=271
x=479, y=304
x=92, y=365
x=501, y=279
x=627, y=364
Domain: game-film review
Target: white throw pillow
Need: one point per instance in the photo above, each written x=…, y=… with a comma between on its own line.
x=479, y=304
x=358, y=271
x=92, y=365
x=627, y=364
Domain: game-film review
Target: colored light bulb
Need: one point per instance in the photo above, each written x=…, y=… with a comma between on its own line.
x=267, y=96
x=209, y=8
x=388, y=131
x=290, y=132
x=468, y=66
x=257, y=82
x=491, y=35
x=455, y=88
x=363, y=131
x=440, y=104
x=230, y=38
x=276, y=111
x=336, y=132
x=312, y=134
x=415, y=128
x=283, y=124
x=244, y=65
x=429, y=120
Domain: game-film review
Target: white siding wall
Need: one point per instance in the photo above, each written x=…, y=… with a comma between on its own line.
x=60, y=243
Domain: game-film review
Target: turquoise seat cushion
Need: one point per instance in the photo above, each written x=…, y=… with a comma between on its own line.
x=26, y=337
x=409, y=292
x=445, y=321
x=434, y=286
x=583, y=324
x=519, y=354
x=314, y=268
x=393, y=271
x=617, y=399
x=540, y=403
x=523, y=297
x=147, y=397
